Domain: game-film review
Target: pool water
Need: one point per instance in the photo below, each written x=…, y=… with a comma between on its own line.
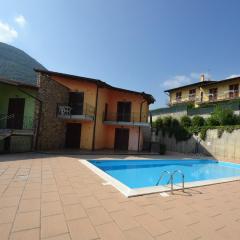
x=145, y=173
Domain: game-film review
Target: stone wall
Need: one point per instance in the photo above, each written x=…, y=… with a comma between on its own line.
x=51, y=133
x=225, y=148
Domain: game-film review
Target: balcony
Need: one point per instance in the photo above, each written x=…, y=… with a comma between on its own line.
x=83, y=112
x=126, y=119
x=220, y=97
x=10, y=125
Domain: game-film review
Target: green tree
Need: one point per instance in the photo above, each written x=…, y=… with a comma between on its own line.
x=198, y=121
x=186, y=121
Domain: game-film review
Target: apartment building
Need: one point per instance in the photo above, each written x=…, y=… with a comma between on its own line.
x=84, y=113
x=201, y=97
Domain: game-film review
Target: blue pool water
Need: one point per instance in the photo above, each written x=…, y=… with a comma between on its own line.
x=145, y=173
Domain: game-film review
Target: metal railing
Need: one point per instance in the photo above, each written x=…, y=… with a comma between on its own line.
x=65, y=110
x=125, y=117
x=12, y=122
x=171, y=179
x=207, y=97
x=162, y=175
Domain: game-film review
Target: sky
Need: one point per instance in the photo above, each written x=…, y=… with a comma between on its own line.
x=142, y=45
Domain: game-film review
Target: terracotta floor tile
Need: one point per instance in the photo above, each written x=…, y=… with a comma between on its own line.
x=28, y=205
x=70, y=199
x=49, y=188
x=32, y=234
x=111, y=205
x=7, y=215
x=26, y=220
x=82, y=229
x=70, y=192
x=151, y=224
x=89, y=202
x=110, y=231
x=124, y=220
x=5, y=231
x=31, y=194
x=138, y=233
x=9, y=201
x=60, y=237
x=50, y=197
x=74, y=211
x=51, y=208
x=53, y=225
x=132, y=208
x=98, y=215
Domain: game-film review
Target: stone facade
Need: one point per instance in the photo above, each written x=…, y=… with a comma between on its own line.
x=51, y=134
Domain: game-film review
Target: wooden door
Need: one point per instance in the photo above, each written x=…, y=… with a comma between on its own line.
x=76, y=100
x=16, y=108
x=121, y=139
x=124, y=111
x=73, y=135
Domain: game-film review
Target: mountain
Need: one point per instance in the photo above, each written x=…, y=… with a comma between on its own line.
x=15, y=64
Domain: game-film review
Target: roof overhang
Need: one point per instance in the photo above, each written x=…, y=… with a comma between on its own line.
x=150, y=99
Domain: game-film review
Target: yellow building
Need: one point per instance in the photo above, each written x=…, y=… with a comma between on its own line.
x=86, y=113
x=201, y=98
x=205, y=92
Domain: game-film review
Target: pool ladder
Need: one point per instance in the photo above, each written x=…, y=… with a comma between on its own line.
x=172, y=178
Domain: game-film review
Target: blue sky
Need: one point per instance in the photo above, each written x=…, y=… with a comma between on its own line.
x=143, y=45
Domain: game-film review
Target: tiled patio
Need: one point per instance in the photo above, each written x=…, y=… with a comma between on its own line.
x=58, y=198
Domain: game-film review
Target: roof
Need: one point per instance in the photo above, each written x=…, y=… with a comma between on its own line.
x=98, y=82
x=224, y=80
x=204, y=83
x=17, y=83
x=197, y=84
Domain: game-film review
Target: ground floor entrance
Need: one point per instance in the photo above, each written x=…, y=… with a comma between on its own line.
x=73, y=135
x=121, y=139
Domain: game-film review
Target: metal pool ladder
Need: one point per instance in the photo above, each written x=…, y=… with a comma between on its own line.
x=162, y=175
x=172, y=178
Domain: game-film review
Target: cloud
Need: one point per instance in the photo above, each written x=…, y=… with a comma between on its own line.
x=20, y=20
x=7, y=33
x=180, y=80
x=233, y=76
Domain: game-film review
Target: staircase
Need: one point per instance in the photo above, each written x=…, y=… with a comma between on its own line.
x=4, y=133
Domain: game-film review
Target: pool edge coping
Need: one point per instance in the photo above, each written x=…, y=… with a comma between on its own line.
x=130, y=192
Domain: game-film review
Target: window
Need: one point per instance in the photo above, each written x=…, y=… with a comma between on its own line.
x=213, y=94
x=192, y=94
x=233, y=90
x=178, y=96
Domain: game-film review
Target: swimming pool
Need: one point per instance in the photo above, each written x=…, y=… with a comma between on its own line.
x=134, y=177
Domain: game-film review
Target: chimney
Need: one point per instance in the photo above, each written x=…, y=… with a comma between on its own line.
x=202, y=78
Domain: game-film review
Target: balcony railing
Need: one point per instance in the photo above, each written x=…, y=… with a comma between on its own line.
x=12, y=122
x=210, y=97
x=125, y=117
x=84, y=111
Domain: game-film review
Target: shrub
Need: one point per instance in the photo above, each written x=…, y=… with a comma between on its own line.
x=212, y=121
x=162, y=149
x=158, y=123
x=224, y=116
x=198, y=121
x=175, y=123
x=167, y=121
x=186, y=121
x=203, y=133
